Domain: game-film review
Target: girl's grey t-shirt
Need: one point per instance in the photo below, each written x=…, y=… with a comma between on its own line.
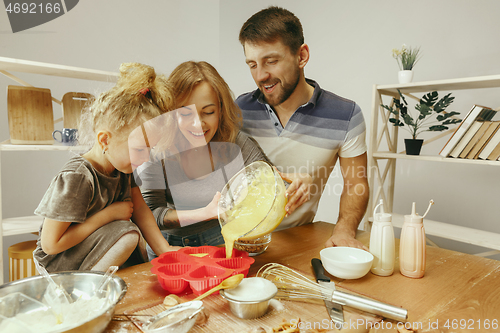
x=79, y=191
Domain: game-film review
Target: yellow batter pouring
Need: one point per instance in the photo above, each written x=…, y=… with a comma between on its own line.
x=250, y=209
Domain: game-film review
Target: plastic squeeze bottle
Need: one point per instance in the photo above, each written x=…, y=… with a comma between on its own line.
x=412, y=245
x=382, y=244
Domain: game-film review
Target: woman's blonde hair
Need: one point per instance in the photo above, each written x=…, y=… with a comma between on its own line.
x=138, y=95
x=185, y=77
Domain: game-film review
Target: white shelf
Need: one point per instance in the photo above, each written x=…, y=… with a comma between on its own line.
x=432, y=158
x=35, y=67
x=7, y=146
x=480, y=82
x=21, y=225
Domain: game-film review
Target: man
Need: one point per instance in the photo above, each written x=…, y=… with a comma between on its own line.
x=301, y=127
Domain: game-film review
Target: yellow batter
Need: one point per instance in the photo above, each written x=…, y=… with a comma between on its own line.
x=251, y=209
x=199, y=255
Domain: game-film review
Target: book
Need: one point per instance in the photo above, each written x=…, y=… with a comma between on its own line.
x=464, y=125
x=495, y=154
x=464, y=140
x=488, y=148
x=474, y=153
x=474, y=140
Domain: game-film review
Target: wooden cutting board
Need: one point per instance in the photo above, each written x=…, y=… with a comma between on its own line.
x=31, y=119
x=73, y=104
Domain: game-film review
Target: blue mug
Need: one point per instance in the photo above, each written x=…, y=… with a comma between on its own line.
x=68, y=136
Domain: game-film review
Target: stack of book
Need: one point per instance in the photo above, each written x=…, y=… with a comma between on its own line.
x=477, y=136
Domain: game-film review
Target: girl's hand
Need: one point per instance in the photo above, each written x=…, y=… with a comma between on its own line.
x=173, y=248
x=120, y=210
x=299, y=190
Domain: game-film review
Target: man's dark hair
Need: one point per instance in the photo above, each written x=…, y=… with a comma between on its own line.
x=273, y=24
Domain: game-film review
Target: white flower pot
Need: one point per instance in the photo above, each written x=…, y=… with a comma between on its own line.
x=405, y=76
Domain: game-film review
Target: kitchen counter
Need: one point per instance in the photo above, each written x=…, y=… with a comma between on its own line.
x=458, y=293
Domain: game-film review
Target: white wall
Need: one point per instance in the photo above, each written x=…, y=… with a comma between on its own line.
x=350, y=42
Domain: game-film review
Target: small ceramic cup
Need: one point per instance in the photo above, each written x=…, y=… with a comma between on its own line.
x=68, y=136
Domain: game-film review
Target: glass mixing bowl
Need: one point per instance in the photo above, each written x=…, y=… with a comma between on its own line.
x=254, y=246
x=261, y=177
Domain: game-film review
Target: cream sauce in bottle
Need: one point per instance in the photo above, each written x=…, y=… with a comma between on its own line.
x=412, y=245
x=382, y=244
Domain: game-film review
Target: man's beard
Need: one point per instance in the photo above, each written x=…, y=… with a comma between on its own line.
x=286, y=92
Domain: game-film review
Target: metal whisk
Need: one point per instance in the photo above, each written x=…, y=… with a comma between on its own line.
x=293, y=285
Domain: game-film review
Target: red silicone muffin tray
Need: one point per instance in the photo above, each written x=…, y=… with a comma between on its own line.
x=176, y=271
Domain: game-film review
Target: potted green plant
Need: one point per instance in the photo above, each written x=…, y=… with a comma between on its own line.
x=428, y=107
x=406, y=58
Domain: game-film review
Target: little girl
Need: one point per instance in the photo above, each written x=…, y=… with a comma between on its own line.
x=94, y=212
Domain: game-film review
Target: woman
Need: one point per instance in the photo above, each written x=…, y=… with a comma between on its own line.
x=181, y=185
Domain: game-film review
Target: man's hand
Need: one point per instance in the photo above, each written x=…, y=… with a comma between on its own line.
x=353, y=202
x=344, y=238
x=299, y=190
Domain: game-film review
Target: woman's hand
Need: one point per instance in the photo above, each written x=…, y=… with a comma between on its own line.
x=299, y=190
x=210, y=211
x=188, y=217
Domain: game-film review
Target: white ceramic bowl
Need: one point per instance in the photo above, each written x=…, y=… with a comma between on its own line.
x=346, y=262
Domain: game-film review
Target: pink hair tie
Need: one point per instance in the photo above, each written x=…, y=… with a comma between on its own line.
x=144, y=91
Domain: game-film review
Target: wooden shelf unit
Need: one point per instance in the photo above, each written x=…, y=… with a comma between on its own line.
x=387, y=176
x=432, y=158
x=29, y=224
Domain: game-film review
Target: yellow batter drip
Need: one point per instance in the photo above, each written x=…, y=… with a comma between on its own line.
x=250, y=210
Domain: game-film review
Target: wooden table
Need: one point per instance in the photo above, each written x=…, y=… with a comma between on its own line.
x=459, y=292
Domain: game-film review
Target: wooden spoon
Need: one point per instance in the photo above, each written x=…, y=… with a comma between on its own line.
x=228, y=283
